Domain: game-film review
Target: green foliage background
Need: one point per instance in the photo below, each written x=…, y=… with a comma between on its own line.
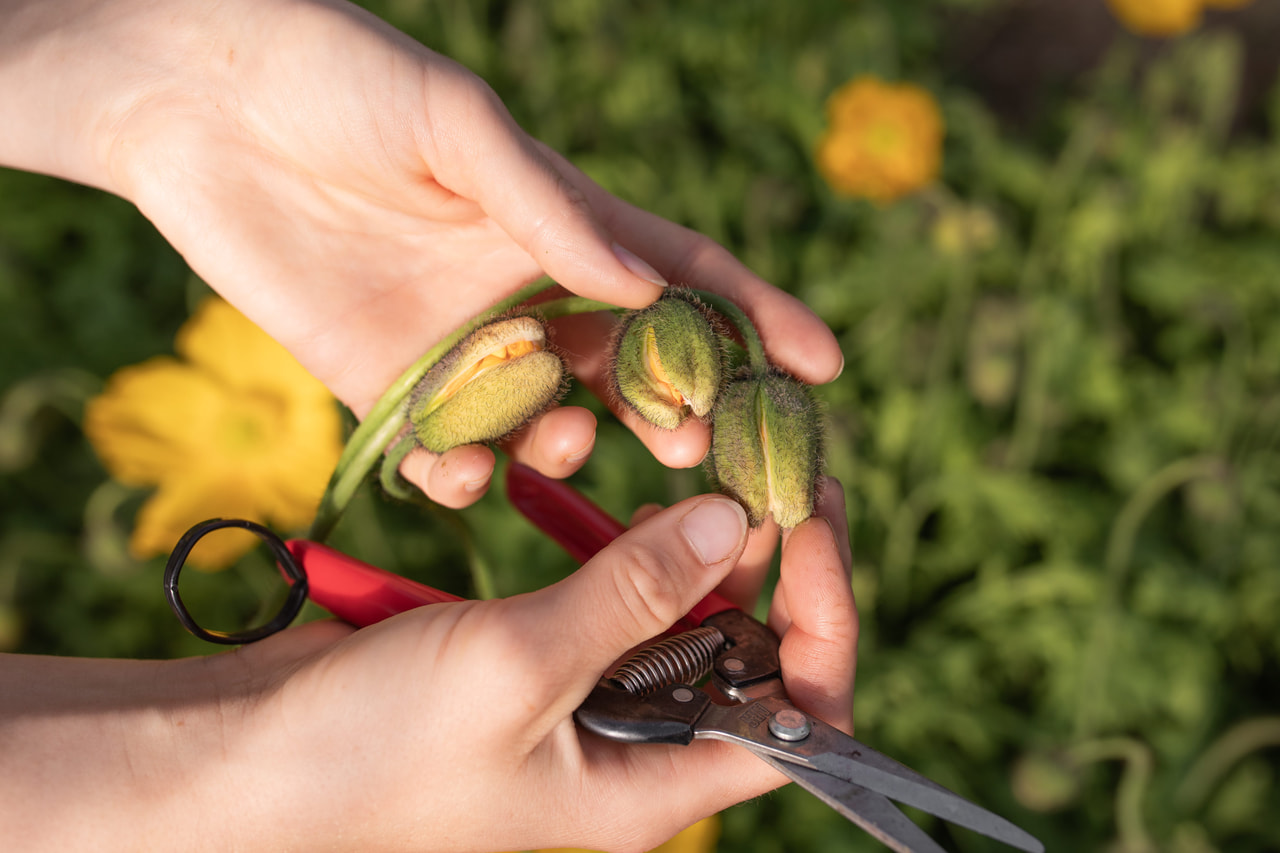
x=1057, y=427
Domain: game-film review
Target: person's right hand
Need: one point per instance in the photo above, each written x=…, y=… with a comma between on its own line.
x=450, y=727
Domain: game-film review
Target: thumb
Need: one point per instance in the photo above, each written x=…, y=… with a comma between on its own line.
x=638, y=587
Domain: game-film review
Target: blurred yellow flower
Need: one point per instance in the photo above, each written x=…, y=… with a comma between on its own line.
x=699, y=838
x=1164, y=18
x=1158, y=18
x=883, y=140
x=235, y=428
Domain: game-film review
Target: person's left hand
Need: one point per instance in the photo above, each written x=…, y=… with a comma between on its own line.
x=359, y=197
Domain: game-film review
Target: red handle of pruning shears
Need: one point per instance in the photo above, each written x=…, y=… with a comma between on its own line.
x=580, y=527
x=357, y=592
x=361, y=594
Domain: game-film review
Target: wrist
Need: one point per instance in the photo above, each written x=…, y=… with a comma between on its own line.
x=109, y=754
x=73, y=72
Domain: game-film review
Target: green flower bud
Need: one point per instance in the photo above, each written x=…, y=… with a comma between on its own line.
x=668, y=361
x=488, y=386
x=766, y=447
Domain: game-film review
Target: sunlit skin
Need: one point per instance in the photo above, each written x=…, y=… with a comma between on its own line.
x=336, y=203
x=359, y=211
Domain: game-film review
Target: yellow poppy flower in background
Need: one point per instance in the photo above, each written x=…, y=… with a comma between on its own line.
x=699, y=838
x=1157, y=18
x=883, y=140
x=234, y=428
x=1164, y=18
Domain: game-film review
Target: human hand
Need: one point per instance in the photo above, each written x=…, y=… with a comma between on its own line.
x=359, y=197
x=450, y=727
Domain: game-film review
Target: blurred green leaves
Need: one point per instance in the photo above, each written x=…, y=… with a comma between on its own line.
x=1058, y=426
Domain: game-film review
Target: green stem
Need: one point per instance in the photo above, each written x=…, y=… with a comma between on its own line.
x=1034, y=399
x=401, y=489
x=571, y=305
x=900, y=544
x=1223, y=754
x=1119, y=553
x=1134, y=780
x=389, y=475
x=387, y=418
x=755, y=347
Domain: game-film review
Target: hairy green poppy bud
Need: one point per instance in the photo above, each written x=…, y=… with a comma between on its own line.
x=668, y=360
x=488, y=386
x=766, y=447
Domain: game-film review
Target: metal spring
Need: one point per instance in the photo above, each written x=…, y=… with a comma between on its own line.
x=682, y=659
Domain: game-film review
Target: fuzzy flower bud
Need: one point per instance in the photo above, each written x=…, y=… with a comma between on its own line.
x=488, y=386
x=668, y=361
x=766, y=447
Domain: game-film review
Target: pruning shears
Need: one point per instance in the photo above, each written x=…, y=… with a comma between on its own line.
x=652, y=697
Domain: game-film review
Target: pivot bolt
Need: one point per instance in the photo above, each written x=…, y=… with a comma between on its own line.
x=790, y=725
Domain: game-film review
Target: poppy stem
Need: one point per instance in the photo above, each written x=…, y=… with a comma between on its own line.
x=387, y=418
x=756, y=358
x=401, y=489
x=571, y=305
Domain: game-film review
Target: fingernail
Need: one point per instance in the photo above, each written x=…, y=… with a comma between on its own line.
x=638, y=267
x=579, y=455
x=840, y=371
x=714, y=529
x=478, y=485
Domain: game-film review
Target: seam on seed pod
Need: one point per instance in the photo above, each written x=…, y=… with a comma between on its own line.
x=767, y=446
x=490, y=386
x=652, y=394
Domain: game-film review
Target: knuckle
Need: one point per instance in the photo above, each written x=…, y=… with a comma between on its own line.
x=649, y=598
x=556, y=228
x=700, y=253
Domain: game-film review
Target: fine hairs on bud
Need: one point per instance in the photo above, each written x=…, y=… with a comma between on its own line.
x=766, y=447
x=488, y=387
x=668, y=360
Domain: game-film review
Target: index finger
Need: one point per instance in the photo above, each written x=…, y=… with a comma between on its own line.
x=795, y=338
x=815, y=613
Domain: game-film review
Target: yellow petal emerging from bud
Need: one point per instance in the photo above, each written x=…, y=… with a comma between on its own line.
x=489, y=386
x=668, y=361
x=766, y=447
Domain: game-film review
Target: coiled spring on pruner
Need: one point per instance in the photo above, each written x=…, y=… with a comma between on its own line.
x=682, y=659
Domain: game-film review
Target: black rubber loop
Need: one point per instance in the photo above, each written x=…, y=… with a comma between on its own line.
x=293, y=571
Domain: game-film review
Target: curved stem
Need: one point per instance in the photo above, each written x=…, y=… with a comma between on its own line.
x=900, y=544
x=387, y=418
x=571, y=305
x=1034, y=395
x=1222, y=755
x=389, y=474
x=755, y=347
x=401, y=489
x=1134, y=779
x=1120, y=543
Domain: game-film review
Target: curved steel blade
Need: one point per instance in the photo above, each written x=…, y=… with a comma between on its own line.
x=835, y=754
x=874, y=813
x=900, y=783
